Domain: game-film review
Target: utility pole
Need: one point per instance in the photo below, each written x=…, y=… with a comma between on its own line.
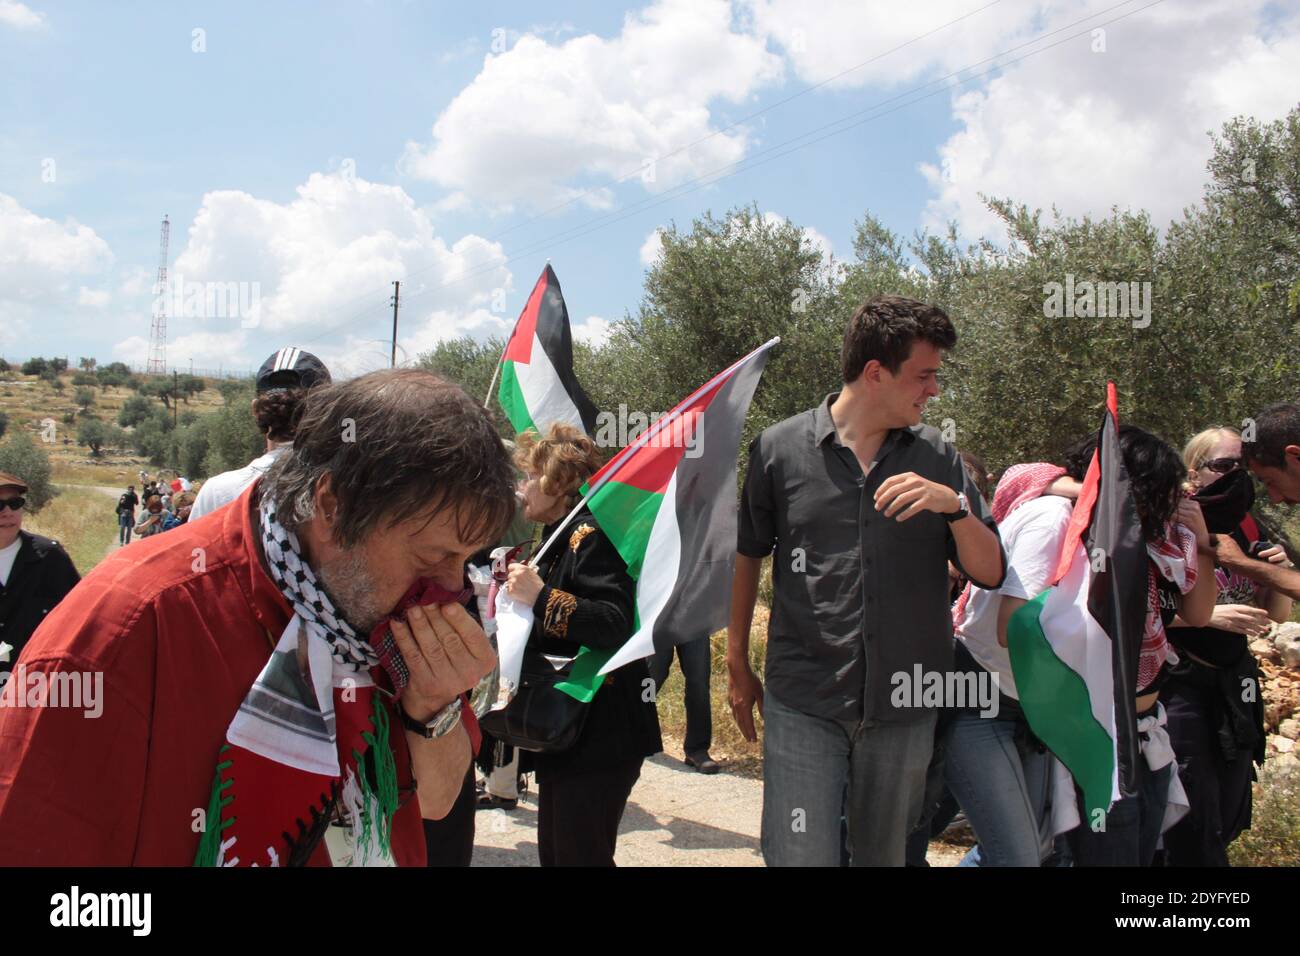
x=397, y=290
x=176, y=390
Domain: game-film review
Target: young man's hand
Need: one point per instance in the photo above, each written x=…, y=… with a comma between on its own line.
x=744, y=690
x=909, y=494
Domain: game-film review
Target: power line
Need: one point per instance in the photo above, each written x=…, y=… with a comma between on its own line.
x=718, y=132
x=784, y=148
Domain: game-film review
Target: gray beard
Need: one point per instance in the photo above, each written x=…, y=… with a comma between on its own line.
x=351, y=587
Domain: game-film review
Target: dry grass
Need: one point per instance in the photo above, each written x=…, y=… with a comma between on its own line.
x=82, y=521
x=1274, y=835
x=28, y=401
x=740, y=755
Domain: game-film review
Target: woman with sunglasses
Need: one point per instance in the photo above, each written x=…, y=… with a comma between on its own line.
x=1216, y=719
x=35, y=573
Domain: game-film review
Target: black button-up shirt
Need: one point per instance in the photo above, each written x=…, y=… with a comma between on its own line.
x=857, y=597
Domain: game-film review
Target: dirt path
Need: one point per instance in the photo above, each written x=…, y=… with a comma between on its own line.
x=675, y=817
x=113, y=493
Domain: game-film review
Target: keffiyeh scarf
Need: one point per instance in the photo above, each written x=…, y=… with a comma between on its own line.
x=311, y=737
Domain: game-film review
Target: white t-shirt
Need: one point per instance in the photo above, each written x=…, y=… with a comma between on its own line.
x=224, y=488
x=1032, y=536
x=7, y=557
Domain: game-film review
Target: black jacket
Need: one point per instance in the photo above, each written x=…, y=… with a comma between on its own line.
x=42, y=575
x=588, y=600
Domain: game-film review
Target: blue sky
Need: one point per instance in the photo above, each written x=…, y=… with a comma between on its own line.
x=310, y=153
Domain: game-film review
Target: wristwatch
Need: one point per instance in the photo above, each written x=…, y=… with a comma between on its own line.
x=442, y=723
x=963, y=508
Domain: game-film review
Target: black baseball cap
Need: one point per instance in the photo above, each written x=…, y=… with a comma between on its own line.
x=291, y=368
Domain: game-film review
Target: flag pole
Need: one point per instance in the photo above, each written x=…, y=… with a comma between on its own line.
x=487, y=402
x=642, y=440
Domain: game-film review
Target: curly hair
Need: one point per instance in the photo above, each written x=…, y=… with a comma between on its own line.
x=278, y=412
x=564, y=459
x=1155, y=474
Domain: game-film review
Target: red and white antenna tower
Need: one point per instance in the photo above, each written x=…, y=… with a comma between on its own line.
x=158, y=332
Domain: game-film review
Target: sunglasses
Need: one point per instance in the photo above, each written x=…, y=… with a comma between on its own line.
x=15, y=503
x=1221, y=466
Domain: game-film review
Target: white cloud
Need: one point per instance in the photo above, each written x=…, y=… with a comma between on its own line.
x=593, y=330
x=652, y=249
x=543, y=122
x=96, y=298
x=1086, y=130
x=885, y=44
x=321, y=267
x=20, y=17
x=43, y=265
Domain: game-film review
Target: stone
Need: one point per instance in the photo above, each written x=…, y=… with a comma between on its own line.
x=1282, y=745
x=1289, y=728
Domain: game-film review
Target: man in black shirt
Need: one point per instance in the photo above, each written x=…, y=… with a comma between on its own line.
x=126, y=514
x=861, y=508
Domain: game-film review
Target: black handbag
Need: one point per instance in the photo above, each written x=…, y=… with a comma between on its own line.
x=539, y=717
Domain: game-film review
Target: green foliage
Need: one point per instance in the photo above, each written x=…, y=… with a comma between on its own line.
x=59, y=364
x=85, y=397
x=35, y=366
x=4, y=423
x=135, y=410
x=85, y=378
x=161, y=387
x=97, y=435
x=1025, y=380
x=21, y=456
x=231, y=434
x=86, y=364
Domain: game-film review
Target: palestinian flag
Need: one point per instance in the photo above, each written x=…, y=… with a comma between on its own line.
x=1074, y=648
x=538, y=386
x=667, y=502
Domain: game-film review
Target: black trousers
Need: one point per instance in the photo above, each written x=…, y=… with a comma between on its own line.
x=694, y=659
x=579, y=811
x=450, y=841
x=1218, y=789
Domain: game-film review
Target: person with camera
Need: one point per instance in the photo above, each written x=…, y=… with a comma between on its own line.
x=1213, y=694
x=584, y=601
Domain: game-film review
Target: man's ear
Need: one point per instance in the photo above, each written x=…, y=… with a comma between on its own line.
x=871, y=373
x=326, y=503
x=1292, y=451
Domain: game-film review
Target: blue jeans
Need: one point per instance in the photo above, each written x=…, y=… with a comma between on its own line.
x=1001, y=784
x=125, y=523
x=807, y=764
x=693, y=658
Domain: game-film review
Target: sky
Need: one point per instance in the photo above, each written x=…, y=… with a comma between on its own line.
x=309, y=154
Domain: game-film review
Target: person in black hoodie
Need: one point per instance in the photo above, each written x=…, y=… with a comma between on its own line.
x=582, y=596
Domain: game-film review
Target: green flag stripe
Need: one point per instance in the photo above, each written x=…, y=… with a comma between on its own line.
x=1058, y=707
x=626, y=515
x=512, y=400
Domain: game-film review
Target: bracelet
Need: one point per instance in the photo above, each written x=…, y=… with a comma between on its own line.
x=443, y=722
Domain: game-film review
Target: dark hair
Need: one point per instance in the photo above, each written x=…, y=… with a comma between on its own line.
x=1275, y=427
x=278, y=412
x=1155, y=473
x=396, y=443
x=884, y=328
x=977, y=471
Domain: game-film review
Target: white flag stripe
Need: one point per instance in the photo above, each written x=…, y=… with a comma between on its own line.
x=1082, y=645
x=544, y=394
x=658, y=578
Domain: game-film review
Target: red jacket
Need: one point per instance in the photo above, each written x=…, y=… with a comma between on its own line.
x=179, y=625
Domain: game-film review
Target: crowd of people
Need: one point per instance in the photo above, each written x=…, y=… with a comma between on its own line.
x=312, y=689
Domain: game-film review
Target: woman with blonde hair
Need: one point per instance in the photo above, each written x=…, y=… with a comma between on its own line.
x=1213, y=694
x=582, y=597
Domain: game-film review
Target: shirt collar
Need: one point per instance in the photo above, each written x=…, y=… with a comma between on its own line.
x=824, y=428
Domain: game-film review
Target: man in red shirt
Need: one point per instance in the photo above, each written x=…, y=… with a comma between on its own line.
x=396, y=476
